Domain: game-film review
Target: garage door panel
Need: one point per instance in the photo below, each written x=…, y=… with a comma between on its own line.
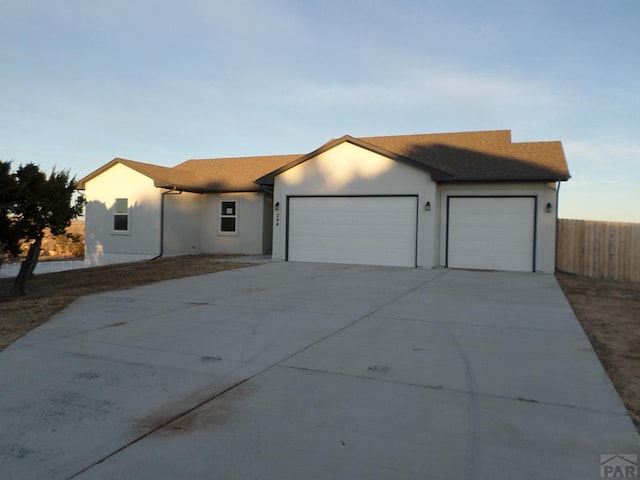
x=360, y=230
x=494, y=233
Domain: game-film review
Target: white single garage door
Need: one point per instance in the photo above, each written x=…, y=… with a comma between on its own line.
x=491, y=233
x=360, y=230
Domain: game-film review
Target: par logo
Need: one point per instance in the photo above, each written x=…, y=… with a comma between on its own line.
x=619, y=465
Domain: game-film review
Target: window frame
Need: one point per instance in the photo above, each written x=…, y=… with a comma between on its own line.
x=222, y=215
x=126, y=215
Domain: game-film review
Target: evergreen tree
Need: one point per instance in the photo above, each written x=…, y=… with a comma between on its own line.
x=34, y=202
x=10, y=238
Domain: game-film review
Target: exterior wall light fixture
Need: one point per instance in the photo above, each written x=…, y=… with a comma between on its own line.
x=549, y=207
x=427, y=206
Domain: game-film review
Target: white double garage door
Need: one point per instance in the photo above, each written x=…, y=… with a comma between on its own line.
x=494, y=233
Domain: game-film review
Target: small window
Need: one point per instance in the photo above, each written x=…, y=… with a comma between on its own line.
x=121, y=215
x=228, y=216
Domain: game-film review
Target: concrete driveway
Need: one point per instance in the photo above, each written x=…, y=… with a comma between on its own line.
x=304, y=371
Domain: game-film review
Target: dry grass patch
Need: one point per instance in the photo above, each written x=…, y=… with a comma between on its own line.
x=610, y=315
x=51, y=292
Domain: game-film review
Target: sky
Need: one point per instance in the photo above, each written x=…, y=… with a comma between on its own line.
x=159, y=81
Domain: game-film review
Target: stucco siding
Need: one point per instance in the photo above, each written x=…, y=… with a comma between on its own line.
x=248, y=237
x=182, y=214
x=142, y=240
x=351, y=170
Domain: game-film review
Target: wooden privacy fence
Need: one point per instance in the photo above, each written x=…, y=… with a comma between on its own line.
x=607, y=250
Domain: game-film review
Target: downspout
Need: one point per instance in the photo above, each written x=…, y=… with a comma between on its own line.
x=173, y=191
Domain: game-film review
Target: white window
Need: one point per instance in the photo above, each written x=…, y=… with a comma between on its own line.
x=229, y=216
x=121, y=215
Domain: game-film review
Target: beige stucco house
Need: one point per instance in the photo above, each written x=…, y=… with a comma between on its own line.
x=461, y=200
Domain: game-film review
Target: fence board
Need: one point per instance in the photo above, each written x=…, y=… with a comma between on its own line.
x=607, y=250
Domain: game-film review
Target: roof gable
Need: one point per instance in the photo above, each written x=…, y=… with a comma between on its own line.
x=158, y=174
x=269, y=178
x=460, y=157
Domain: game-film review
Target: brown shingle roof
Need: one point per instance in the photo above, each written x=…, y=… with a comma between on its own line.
x=480, y=156
x=461, y=157
x=204, y=175
x=484, y=140
x=229, y=174
x=449, y=157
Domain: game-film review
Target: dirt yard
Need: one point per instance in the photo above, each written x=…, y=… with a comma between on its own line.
x=49, y=293
x=610, y=314
x=609, y=311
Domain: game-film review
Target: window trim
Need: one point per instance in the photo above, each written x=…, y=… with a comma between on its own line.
x=222, y=215
x=115, y=231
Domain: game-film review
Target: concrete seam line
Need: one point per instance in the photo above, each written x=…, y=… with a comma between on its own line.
x=219, y=394
x=351, y=324
x=479, y=325
x=281, y=283
x=439, y=387
x=76, y=335
x=172, y=419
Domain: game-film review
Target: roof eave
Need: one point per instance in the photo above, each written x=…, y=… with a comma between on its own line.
x=503, y=180
x=204, y=190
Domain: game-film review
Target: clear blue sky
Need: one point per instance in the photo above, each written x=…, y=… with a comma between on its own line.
x=84, y=81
